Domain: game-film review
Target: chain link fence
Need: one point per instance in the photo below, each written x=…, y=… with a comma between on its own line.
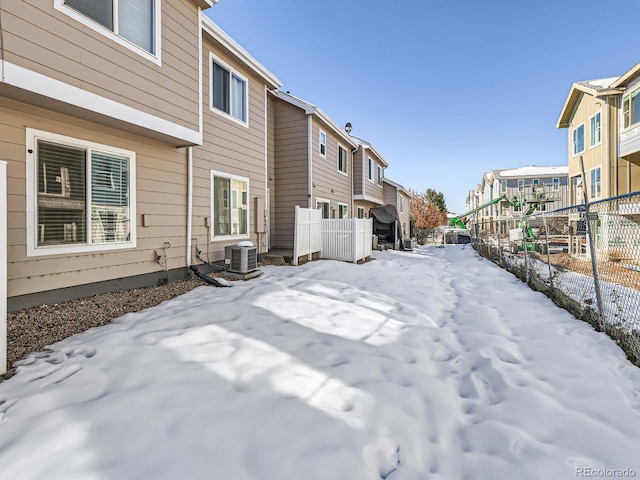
x=586, y=258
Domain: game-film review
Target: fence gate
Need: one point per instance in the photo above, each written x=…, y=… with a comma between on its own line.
x=306, y=237
x=3, y=267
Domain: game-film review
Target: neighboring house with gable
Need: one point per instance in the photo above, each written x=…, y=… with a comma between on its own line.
x=310, y=165
x=98, y=118
x=230, y=177
x=368, y=178
x=398, y=196
x=603, y=131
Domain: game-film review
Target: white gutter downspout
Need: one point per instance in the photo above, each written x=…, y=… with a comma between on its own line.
x=310, y=155
x=189, y=202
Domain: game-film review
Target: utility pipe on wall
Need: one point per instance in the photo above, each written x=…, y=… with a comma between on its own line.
x=189, y=202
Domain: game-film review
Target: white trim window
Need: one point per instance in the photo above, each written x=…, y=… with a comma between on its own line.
x=380, y=175
x=80, y=195
x=343, y=156
x=631, y=109
x=324, y=206
x=360, y=212
x=370, y=169
x=229, y=206
x=135, y=24
x=596, y=182
x=322, y=140
x=578, y=139
x=595, y=137
x=343, y=210
x=229, y=91
x=556, y=184
x=503, y=186
x=520, y=185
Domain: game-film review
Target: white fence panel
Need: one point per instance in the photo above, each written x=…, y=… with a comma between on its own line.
x=306, y=237
x=348, y=240
x=3, y=267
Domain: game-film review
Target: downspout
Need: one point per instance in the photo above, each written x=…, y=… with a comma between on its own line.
x=310, y=155
x=364, y=172
x=189, y=201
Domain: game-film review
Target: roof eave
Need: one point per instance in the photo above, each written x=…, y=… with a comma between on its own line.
x=627, y=77
x=217, y=34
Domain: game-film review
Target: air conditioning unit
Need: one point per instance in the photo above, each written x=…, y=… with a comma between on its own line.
x=241, y=259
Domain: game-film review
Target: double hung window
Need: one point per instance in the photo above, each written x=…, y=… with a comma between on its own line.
x=596, y=183
x=578, y=139
x=135, y=21
x=228, y=91
x=323, y=143
x=82, y=195
x=595, y=131
x=229, y=205
x=631, y=109
x=342, y=159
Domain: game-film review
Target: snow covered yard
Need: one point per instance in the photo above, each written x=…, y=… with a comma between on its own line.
x=434, y=364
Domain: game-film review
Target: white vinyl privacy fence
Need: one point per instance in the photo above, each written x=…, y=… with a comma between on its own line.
x=348, y=240
x=3, y=267
x=306, y=237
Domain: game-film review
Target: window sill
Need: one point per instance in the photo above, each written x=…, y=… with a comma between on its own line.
x=229, y=238
x=78, y=249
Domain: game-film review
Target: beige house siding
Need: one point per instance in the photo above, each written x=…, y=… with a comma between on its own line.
x=231, y=148
x=291, y=170
x=358, y=171
x=371, y=188
x=42, y=39
x=593, y=157
x=328, y=182
x=160, y=194
x=393, y=196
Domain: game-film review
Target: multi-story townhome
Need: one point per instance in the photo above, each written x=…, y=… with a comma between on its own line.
x=398, y=196
x=100, y=104
x=508, y=194
x=230, y=177
x=368, y=178
x=604, y=132
x=603, y=122
x=544, y=187
x=310, y=165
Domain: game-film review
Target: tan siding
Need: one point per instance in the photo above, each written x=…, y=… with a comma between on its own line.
x=232, y=148
x=593, y=157
x=371, y=188
x=42, y=39
x=290, y=170
x=358, y=171
x=161, y=193
x=330, y=183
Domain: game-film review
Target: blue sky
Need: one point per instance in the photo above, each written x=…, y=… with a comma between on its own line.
x=444, y=90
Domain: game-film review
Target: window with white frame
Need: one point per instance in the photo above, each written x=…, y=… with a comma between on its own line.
x=556, y=184
x=81, y=195
x=520, y=185
x=631, y=108
x=324, y=206
x=343, y=210
x=134, y=21
x=228, y=91
x=323, y=143
x=229, y=205
x=596, y=183
x=595, y=131
x=342, y=159
x=371, y=169
x=578, y=139
x=503, y=186
x=360, y=212
x=380, y=175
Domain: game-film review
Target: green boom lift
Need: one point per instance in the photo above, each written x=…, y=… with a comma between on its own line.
x=528, y=241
